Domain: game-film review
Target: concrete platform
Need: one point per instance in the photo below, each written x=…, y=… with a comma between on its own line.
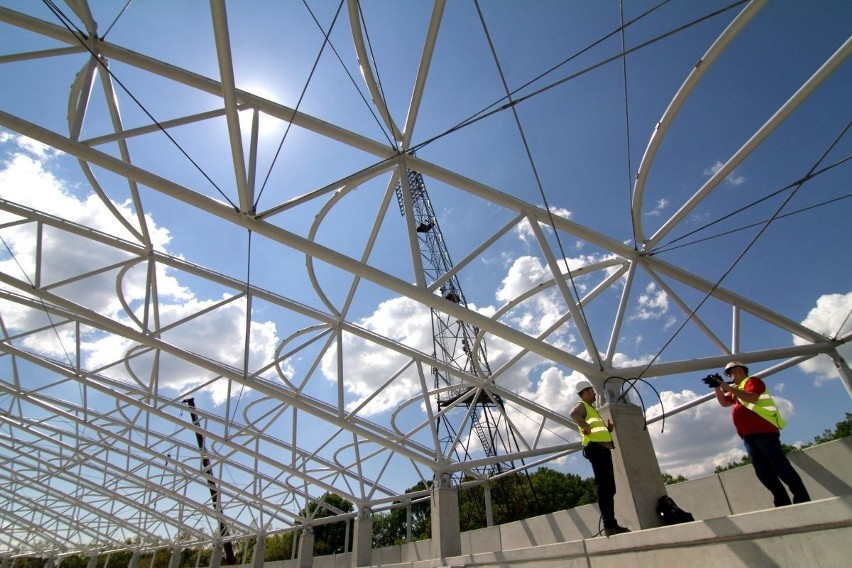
x=816, y=534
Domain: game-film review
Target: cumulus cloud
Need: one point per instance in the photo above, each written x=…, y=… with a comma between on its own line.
x=524, y=229
x=369, y=366
x=694, y=442
x=652, y=304
x=830, y=316
x=731, y=179
x=26, y=179
x=659, y=207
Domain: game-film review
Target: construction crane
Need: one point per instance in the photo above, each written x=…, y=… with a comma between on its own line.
x=454, y=343
x=230, y=557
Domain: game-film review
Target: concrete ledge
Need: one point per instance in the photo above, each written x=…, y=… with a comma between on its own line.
x=808, y=534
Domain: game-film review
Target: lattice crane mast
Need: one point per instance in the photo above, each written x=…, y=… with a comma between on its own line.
x=454, y=344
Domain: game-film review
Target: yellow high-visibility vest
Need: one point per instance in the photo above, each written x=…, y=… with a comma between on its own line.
x=764, y=407
x=599, y=431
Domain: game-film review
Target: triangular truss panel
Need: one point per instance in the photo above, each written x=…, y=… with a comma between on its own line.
x=217, y=300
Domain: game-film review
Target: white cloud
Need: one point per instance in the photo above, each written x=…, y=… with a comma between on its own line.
x=830, y=316
x=368, y=366
x=525, y=232
x=731, y=179
x=26, y=180
x=658, y=209
x=694, y=442
x=652, y=304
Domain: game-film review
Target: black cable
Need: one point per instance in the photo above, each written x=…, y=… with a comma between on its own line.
x=749, y=226
x=53, y=324
x=592, y=347
x=748, y=247
x=352, y=80
x=298, y=102
x=485, y=113
x=375, y=65
x=622, y=397
x=115, y=21
x=81, y=36
x=473, y=118
x=627, y=124
x=326, y=41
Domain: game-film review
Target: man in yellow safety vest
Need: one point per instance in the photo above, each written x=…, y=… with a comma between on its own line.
x=597, y=448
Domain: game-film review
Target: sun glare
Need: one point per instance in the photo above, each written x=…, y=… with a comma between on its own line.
x=267, y=125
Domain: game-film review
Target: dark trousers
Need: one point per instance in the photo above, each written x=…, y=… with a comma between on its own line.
x=601, y=459
x=771, y=467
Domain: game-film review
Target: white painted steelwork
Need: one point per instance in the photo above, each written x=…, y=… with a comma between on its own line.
x=92, y=459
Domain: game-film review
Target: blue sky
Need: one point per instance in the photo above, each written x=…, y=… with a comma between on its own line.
x=586, y=117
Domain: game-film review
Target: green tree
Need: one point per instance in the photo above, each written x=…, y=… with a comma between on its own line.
x=841, y=430
x=330, y=538
x=556, y=491
x=668, y=479
x=279, y=546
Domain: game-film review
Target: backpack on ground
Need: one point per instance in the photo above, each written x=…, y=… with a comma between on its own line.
x=671, y=513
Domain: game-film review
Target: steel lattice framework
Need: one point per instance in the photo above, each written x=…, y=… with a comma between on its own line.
x=96, y=455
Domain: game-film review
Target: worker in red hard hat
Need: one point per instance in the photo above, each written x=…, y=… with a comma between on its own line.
x=758, y=422
x=597, y=448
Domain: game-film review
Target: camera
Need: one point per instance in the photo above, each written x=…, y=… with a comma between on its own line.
x=713, y=380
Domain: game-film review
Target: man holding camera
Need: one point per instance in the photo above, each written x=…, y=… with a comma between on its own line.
x=758, y=422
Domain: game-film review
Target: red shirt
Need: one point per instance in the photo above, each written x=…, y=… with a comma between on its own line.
x=747, y=421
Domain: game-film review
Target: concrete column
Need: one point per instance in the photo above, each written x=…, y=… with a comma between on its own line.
x=489, y=509
x=446, y=527
x=362, y=543
x=4, y=562
x=92, y=563
x=306, y=548
x=134, y=560
x=174, y=559
x=216, y=555
x=638, y=480
x=259, y=551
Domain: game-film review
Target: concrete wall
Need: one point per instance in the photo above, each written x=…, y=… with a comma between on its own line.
x=826, y=470
x=809, y=534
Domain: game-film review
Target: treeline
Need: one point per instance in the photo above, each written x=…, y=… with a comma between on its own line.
x=513, y=498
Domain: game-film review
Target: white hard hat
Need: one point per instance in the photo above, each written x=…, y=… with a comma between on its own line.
x=733, y=364
x=583, y=385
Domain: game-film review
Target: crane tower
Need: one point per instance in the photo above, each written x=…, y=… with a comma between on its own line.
x=454, y=343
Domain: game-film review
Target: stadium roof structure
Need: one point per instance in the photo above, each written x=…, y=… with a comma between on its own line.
x=193, y=335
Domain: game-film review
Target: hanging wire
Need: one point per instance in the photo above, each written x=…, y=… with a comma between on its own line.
x=631, y=385
x=53, y=324
x=490, y=110
x=669, y=248
x=247, y=343
x=627, y=123
x=81, y=37
x=809, y=176
x=326, y=42
x=797, y=186
x=115, y=21
x=531, y=160
x=375, y=64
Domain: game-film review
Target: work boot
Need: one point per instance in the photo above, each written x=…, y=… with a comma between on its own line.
x=616, y=529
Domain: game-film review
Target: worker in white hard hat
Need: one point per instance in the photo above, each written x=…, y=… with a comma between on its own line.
x=758, y=422
x=597, y=448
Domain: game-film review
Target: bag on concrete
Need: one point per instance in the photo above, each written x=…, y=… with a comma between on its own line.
x=671, y=513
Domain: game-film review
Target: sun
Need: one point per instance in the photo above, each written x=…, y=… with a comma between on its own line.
x=267, y=125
